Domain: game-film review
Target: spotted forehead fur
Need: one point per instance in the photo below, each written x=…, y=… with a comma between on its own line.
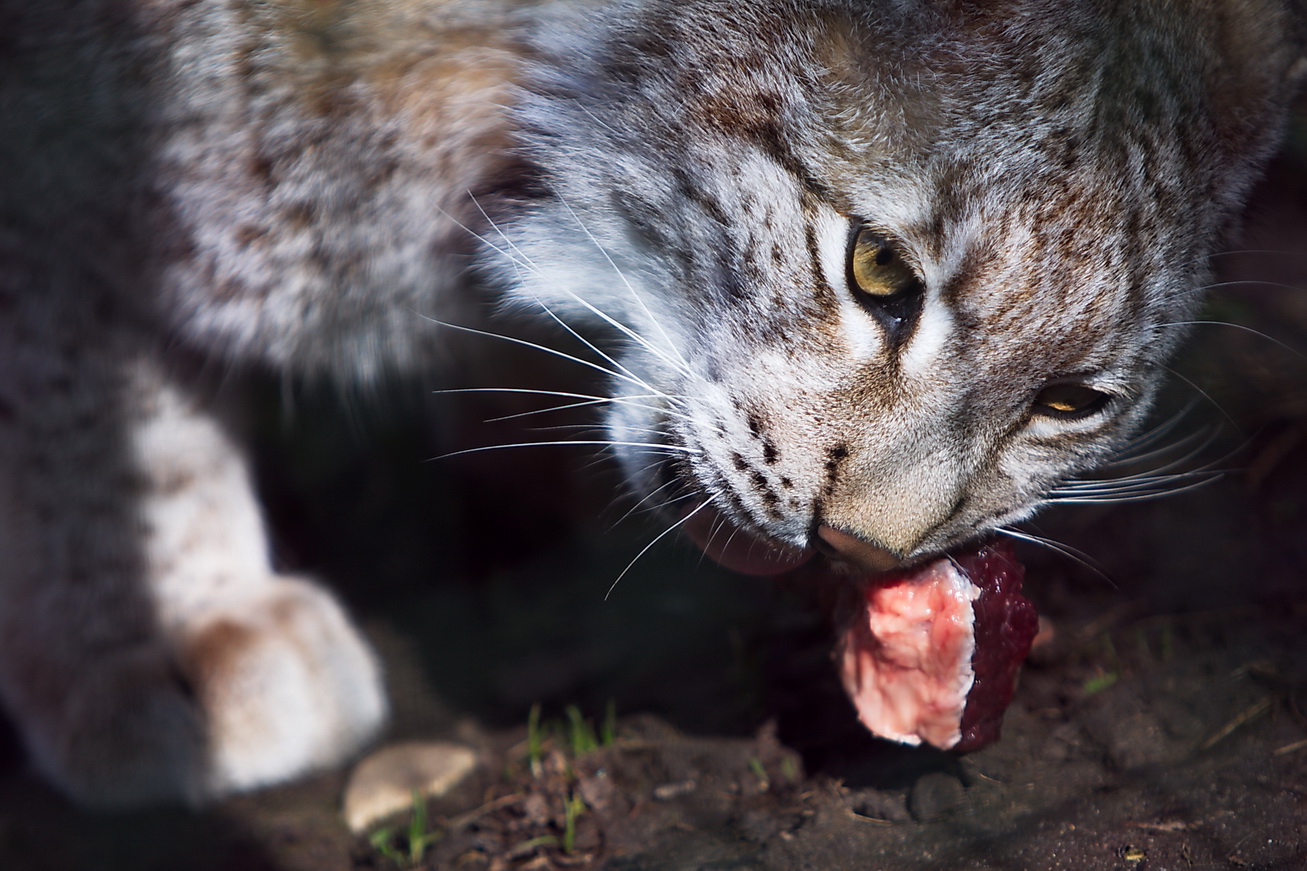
x=803, y=81
x=954, y=154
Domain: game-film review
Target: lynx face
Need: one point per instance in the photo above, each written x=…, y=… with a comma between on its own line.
x=870, y=281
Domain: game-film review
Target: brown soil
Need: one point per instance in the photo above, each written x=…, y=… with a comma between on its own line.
x=1163, y=727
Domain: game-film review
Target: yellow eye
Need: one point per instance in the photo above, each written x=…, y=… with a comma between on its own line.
x=1070, y=401
x=876, y=268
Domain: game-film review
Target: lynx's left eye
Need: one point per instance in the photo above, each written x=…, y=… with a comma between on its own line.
x=1070, y=401
x=883, y=282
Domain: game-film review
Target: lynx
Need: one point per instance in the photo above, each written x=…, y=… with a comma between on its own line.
x=879, y=279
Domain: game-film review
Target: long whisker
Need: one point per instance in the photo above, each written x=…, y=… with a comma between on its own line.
x=650, y=497
x=617, y=400
x=1134, y=455
x=591, y=345
x=518, y=259
x=1142, y=495
x=702, y=505
x=1134, y=460
x=646, y=509
x=1276, y=251
x=718, y=525
x=588, y=399
x=663, y=448
x=640, y=473
x=1250, y=282
x=1065, y=550
x=1134, y=482
x=677, y=363
x=502, y=235
x=590, y=428
x=1203, y=393
x=1197, y=444
x=1144, y=440
x=1141, y=486
x=1258, y=333
x=552, y=351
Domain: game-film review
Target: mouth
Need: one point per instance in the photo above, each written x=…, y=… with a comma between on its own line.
x=929, y=652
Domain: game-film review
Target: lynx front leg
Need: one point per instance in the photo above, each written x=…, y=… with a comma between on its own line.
x=147, y=649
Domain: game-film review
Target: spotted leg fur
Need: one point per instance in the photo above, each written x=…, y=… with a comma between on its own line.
x=148, y=648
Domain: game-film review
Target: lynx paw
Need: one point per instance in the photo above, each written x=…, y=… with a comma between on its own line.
x=286, y=687
x=281, y=686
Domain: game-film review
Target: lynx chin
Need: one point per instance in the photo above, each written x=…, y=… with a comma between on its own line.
x=879, y=278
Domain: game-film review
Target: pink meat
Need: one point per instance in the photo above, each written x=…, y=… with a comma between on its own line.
x=934, y=652
x=931, y=653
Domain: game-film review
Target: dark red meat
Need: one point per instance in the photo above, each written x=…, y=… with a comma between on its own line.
x=1006, y=625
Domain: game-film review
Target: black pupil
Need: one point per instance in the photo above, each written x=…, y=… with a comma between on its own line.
x=884, y=254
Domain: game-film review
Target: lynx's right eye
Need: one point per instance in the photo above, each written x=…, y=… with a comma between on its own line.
x=883, y=282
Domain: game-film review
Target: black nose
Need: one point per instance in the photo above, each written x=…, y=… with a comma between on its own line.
x=856, y=551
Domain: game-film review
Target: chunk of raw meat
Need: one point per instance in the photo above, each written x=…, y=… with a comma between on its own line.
x=933, y=653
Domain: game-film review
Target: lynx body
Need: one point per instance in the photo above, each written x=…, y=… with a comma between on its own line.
x=879, y=277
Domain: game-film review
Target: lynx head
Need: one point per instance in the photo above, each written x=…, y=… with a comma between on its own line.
x=881, y=275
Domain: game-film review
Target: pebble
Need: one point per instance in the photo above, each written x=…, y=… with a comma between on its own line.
x=383, y=782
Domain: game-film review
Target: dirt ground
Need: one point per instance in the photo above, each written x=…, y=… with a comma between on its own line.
x=1163, y=727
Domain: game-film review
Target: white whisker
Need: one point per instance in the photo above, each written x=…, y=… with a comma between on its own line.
x=1283, y=252
x=679, y=362
x=1135, y=483
x=1065, y=550
x=1203, y=393
x=1150, y=436
x=668, y=449
x=587, y=399
x=519, y=260
x=1123, y=496
x=1203, y=439
x=1258, y=333
x=657, y=539
x=592, y=346
x=585, y=428
x=648, y=509
x=1251, y=282
x=1141, y=450
x=586, y=404
x=1145, y=485
x=651, y=495
x=526, y=262
x=552, y=351
x=494, y=226
x=720, y=524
